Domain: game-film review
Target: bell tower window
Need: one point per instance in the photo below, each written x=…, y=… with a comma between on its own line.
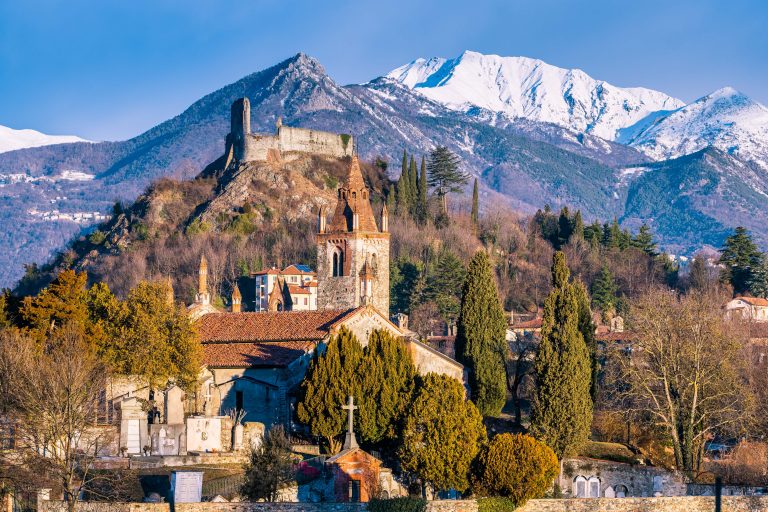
x=337, y=266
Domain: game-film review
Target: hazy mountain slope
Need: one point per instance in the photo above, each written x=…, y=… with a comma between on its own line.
x=11, y=140
x=726, y=119
x=520, y=87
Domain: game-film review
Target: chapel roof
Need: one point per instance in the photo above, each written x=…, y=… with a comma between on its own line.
x=266, y=326
x=351, y=200
x=249, y=355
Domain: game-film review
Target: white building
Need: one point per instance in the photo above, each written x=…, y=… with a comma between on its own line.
x=748, y=308
x=296, y=289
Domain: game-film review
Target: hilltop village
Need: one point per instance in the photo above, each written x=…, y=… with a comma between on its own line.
x=413, y=351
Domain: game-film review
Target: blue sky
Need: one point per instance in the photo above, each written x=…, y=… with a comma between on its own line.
x=108, y=70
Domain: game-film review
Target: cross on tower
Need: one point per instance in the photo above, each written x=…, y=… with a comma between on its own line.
x=350, y=441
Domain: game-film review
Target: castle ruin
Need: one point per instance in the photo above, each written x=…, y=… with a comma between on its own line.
x=244, y=146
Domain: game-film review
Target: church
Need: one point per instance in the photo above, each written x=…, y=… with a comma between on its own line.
x=254, y=362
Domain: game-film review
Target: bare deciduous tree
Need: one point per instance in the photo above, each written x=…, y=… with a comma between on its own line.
x=53, y=397
x=686, y=370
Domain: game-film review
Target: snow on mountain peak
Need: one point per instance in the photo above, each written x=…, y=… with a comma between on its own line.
x=522, y=87
x=726, y=119
x=11, y=139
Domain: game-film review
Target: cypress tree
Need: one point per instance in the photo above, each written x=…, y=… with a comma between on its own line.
x=475, y=206
x=561, y=410
x=413, y=179
x=331, y=378
x=577, y=230
x=423, y=205
x=387, y=376
x=587, y=330
x=481, y=337
x=404, y=198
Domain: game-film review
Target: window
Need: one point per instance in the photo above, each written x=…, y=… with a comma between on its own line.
x=594, y=487
x=338, y=263
x=305, y=301
x=238, y=400
x=354, y=491
x=581, y=486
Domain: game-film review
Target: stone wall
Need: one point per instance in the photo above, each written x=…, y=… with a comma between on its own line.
x=678, y=504
x=616, y=479
x=314, y=141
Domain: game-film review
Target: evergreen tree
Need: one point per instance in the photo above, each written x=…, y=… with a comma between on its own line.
x=441, y=285
x=475, y=206
x=481, y=337
x=644, y=241
x=604, y=290
x=593, y=234
x=758, y=279
x=443, y=433
x=387, y=376
x=587, y=330
x=564, y=228
x=741, y=257
x=403, y=276
x=577, y=229
x=413, y=177
x=331, y=378
x=561, y=409
x=404, y=199
x=444, y=174
x=391, y=205
x=423, y=210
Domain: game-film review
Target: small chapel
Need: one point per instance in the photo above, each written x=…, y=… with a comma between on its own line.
x=255, y=361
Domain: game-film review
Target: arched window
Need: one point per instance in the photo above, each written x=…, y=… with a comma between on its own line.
x=335, y=264
x=594, y=487
x=580, y=486
x=354, y=195
x=621, y=491
x=337, y=268
x=374, y=264
x=365, y=194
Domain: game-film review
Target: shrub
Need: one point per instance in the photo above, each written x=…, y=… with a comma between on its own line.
x=495, y=504
x=517, y=467
x=409, y=504
x=97, y=237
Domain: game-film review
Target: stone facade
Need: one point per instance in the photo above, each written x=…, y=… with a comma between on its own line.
x=244, y=146
x=589, y=478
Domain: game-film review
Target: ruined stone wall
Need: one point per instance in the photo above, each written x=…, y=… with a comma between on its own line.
x=314, y=141
x=257, y=147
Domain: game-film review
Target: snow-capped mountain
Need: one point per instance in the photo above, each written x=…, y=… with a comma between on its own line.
x=725, y=119
x=11, y=139
x=521, y=87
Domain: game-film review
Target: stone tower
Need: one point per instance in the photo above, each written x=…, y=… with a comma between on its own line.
x=240, y=128
x=352, y=252
x=202, y=297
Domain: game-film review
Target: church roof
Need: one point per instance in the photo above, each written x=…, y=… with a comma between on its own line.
x=267, y=326
x=353, y=198
x=248, y=355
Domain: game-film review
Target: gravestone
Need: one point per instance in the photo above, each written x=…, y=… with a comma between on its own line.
x=187, y=486
x=174, y=406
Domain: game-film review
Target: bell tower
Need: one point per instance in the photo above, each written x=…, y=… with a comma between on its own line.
x=353, y=250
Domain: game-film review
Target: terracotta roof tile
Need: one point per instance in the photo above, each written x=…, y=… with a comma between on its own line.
x=269, y=325
x=247, y=355
x=298, y=290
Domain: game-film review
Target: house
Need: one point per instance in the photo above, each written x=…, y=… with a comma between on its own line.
x=294, y=288
x=748, y=308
